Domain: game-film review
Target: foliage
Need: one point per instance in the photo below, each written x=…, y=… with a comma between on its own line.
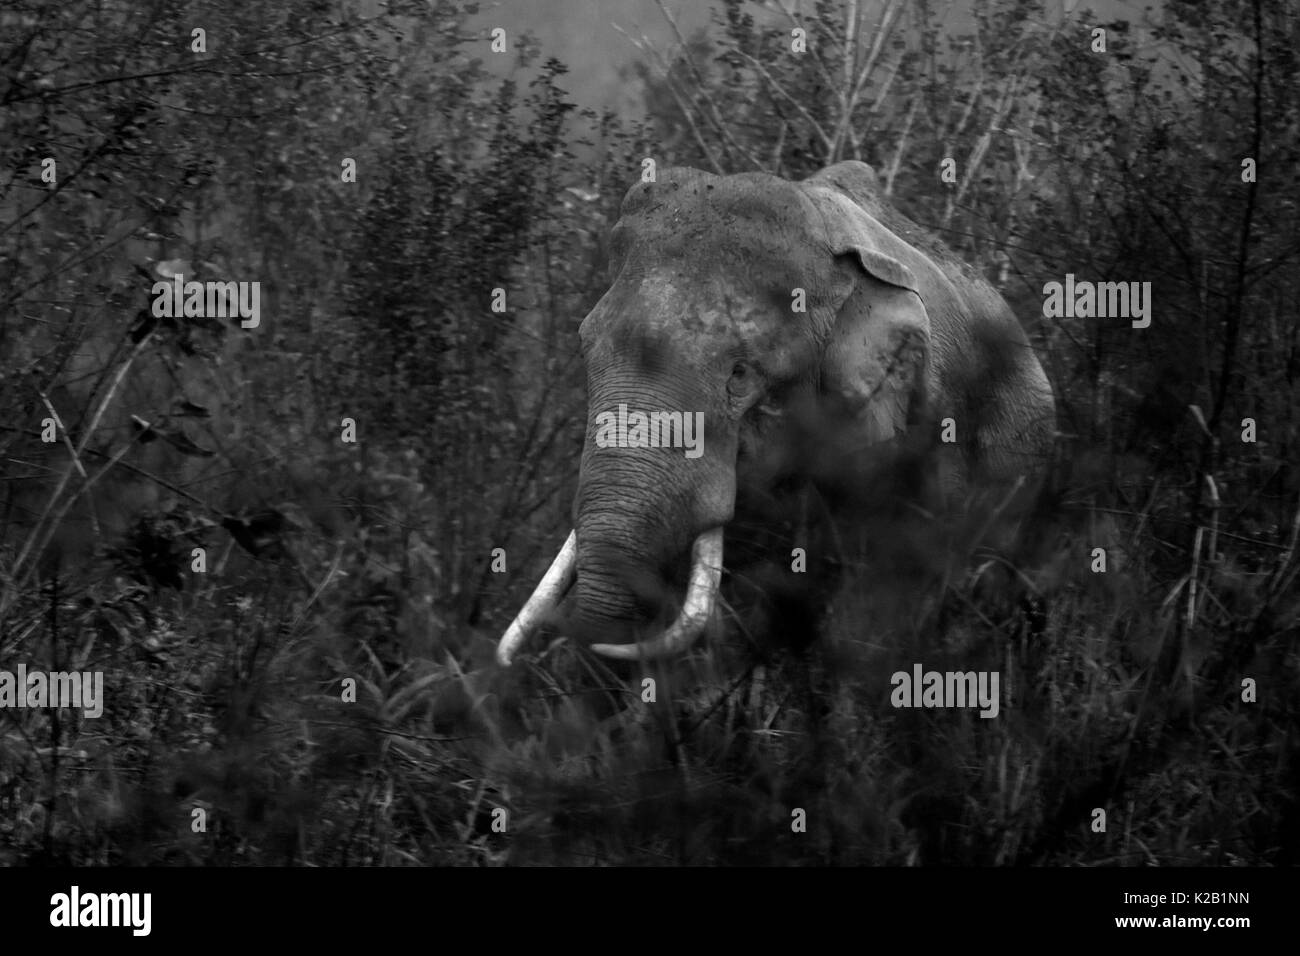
x=372, y=562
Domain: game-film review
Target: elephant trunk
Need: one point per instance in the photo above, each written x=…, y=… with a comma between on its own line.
x=642, y=513
x=631, y=536
x=615, y=589
x=701, y=595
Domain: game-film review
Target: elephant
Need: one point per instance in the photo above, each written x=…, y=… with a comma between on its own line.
x=758, y=328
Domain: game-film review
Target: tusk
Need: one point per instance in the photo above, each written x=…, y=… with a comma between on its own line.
x=706, y=570
x=554, y=584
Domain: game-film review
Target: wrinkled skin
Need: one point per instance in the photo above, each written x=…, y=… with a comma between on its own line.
x=894, y=336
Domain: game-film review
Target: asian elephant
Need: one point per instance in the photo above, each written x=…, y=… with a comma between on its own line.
x=756, y=329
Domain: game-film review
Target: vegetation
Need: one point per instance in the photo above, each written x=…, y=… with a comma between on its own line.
x=327, y=561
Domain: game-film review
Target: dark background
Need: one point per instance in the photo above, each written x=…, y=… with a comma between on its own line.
x=372, y=561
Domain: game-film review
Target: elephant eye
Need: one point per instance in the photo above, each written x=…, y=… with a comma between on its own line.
x=742, y=381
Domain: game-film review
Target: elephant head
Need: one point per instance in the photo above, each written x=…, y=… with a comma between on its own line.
x=749, y=318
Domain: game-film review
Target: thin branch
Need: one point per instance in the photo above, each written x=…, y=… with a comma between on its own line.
x=645, y=47
x=719, y=123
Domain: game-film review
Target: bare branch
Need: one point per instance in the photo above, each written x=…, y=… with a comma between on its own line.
x=645, y=47
x=817, y=127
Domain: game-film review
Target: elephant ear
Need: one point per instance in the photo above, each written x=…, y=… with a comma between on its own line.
x=877, y=356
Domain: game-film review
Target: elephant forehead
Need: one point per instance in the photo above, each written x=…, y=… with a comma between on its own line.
x=682, y=195
x=700, y=309
x=670, y=319
x=707, y=300
x=758, y=228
